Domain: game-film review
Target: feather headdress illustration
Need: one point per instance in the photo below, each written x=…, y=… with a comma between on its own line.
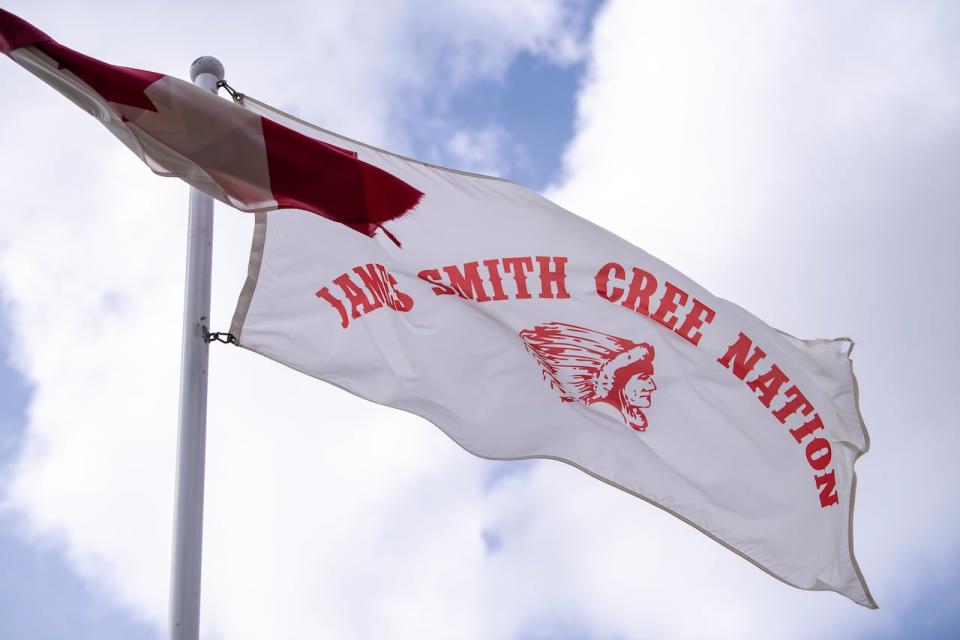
x=588, y=366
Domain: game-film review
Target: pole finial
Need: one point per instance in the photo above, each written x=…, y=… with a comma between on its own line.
x=206, y=64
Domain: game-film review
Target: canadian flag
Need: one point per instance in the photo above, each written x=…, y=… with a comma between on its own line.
x=235, y=156
x=518, y=328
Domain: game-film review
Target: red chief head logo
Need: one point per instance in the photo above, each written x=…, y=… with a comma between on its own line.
x=590, y=367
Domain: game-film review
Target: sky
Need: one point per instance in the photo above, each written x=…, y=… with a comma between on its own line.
x=796, y=158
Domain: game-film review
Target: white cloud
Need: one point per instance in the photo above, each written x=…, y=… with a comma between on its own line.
x=485, y=150
x=797, y=158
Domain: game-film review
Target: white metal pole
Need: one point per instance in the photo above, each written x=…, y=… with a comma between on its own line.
x=191, y=440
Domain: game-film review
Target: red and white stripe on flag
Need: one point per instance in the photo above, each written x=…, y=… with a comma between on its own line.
x=518, y=328
x=180, y=130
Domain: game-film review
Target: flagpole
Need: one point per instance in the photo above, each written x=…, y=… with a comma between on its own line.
x=205, y=72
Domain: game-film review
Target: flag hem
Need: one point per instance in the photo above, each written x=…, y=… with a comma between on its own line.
x=853, y=470
x=253, y=274
x=872, y=603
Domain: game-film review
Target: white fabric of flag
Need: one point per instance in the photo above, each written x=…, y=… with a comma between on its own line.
x=524, y=331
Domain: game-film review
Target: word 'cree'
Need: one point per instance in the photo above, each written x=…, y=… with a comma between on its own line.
x=767, y=386
x=641, y=290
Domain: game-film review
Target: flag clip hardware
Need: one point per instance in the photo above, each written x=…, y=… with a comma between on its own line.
x=222, y=336
x=236, y=95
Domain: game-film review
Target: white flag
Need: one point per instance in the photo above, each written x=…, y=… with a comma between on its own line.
x=522, y=330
